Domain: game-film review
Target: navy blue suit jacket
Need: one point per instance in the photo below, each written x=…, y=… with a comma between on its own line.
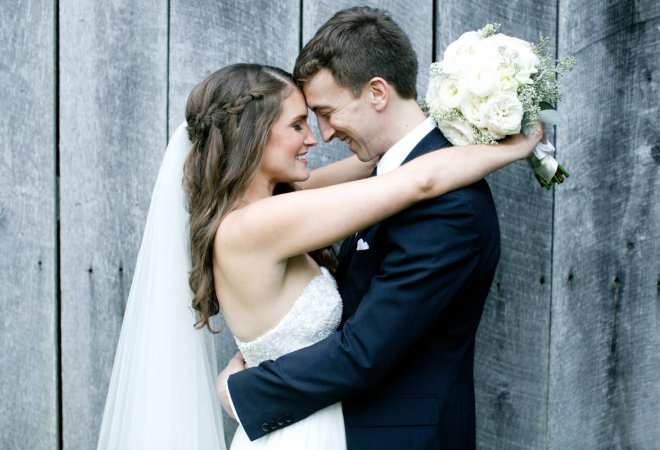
x=402, y=360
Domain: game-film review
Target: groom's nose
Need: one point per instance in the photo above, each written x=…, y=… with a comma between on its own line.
x=327, y=132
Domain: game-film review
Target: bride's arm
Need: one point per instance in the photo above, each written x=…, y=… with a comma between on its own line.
x=295, y=223
x=342, y=171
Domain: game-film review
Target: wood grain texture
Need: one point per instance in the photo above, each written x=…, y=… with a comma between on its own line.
x=511, y=361
x=113, y=65
x=416, y=22
x=604, y=382
x=567, y=351
x=206, y=35
x=28, y=302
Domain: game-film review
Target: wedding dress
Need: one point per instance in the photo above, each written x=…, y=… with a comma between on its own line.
x=315, y=314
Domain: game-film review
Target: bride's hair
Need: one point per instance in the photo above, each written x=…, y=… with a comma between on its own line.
x=230, y=115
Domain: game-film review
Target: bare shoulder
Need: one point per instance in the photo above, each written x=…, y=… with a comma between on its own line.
x=227, y=236
x=246, y=229
x=237, y=233
x=244, y=240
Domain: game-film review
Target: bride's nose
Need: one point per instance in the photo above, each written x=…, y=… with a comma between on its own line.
x=310, y=140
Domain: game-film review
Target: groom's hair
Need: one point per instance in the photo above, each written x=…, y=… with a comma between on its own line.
x=357, y=44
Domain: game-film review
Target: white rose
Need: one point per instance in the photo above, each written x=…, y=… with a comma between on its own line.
x=521, y=53
x=444, y=93
x=481, y=77
x=458, y=132
x=527, y=69
x=506, y=78
x=456, y=53
x=481, y=80
x=503, y=113
x=472, y=108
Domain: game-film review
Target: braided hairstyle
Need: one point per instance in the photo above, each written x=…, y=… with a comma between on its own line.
x=230, y=115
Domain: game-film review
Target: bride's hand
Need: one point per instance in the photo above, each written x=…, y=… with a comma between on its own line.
x=526, y=143
x=236, y=364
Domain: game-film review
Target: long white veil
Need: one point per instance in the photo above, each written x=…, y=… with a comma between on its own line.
x=161, y=393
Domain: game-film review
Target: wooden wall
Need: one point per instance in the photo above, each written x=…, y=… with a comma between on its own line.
x=604, y=369
x=567, y=349
x=113, y=106
x=29, y=375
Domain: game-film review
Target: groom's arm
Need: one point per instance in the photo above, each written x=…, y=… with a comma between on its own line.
x=342, y=171
x=434, y=250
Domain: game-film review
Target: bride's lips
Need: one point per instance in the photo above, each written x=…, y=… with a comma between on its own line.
x=302, y=158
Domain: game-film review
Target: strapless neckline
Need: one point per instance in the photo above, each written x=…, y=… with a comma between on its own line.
x=289, y=313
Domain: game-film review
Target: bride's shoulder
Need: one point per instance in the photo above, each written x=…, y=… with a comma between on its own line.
x=250, y=231
x=234, y=231
x=227, y=235
x=236, y=249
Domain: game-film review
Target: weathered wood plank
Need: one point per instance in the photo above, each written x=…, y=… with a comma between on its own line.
x=511, y=361
x=416, y=22
x=604, y=383
x=206, y=35
x=113, y=97
x=28, y=302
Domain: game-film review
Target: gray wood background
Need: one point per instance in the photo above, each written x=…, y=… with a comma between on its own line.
x=113, y=108
x=604, y=360
x=29, y=375
x=567, y=351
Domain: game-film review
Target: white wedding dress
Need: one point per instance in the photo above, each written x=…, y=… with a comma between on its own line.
x=315, y=314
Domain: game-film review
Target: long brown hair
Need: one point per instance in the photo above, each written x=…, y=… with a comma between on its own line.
x=230, y=116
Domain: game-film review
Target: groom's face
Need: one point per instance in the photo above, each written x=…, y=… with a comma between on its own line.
x=340, y=114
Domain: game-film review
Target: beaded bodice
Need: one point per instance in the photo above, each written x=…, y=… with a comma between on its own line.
x=315, y=314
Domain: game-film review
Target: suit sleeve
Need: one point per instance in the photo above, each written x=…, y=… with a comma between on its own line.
x=434, y=251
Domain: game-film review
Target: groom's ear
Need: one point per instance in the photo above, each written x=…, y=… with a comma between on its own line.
x=378, y=93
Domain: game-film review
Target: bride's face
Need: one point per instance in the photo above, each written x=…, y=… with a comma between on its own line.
x=285, y=156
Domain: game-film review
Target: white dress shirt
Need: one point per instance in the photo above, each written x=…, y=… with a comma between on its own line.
x=396, y=154
x=390, y=160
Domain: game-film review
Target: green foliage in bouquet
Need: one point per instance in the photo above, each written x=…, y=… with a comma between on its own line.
x=544, y=92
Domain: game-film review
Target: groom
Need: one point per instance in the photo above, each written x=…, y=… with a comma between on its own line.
x=413, y=285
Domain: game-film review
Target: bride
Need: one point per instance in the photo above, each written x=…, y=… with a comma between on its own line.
x=248, y=232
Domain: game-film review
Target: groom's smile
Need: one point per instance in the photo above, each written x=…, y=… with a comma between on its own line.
x=341, y=114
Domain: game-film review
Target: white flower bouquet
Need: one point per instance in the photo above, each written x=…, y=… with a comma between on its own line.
x=490, y=85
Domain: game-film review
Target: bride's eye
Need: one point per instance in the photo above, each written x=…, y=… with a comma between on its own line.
x=297, y=127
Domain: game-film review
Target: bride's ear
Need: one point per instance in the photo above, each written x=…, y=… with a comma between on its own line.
x=378, y=93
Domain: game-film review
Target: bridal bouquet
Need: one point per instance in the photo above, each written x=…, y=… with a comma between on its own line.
x=490, y=85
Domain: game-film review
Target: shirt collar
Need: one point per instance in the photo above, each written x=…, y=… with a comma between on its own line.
x=396, y=154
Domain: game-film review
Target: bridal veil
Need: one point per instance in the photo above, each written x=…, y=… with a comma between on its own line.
x=161, y=393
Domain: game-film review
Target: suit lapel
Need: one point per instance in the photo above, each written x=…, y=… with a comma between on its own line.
x=345, y=253
x=432, y=141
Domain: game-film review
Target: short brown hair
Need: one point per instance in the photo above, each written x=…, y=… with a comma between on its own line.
x=357, y=44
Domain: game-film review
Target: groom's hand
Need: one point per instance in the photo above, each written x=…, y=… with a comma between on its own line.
x=236, y=364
